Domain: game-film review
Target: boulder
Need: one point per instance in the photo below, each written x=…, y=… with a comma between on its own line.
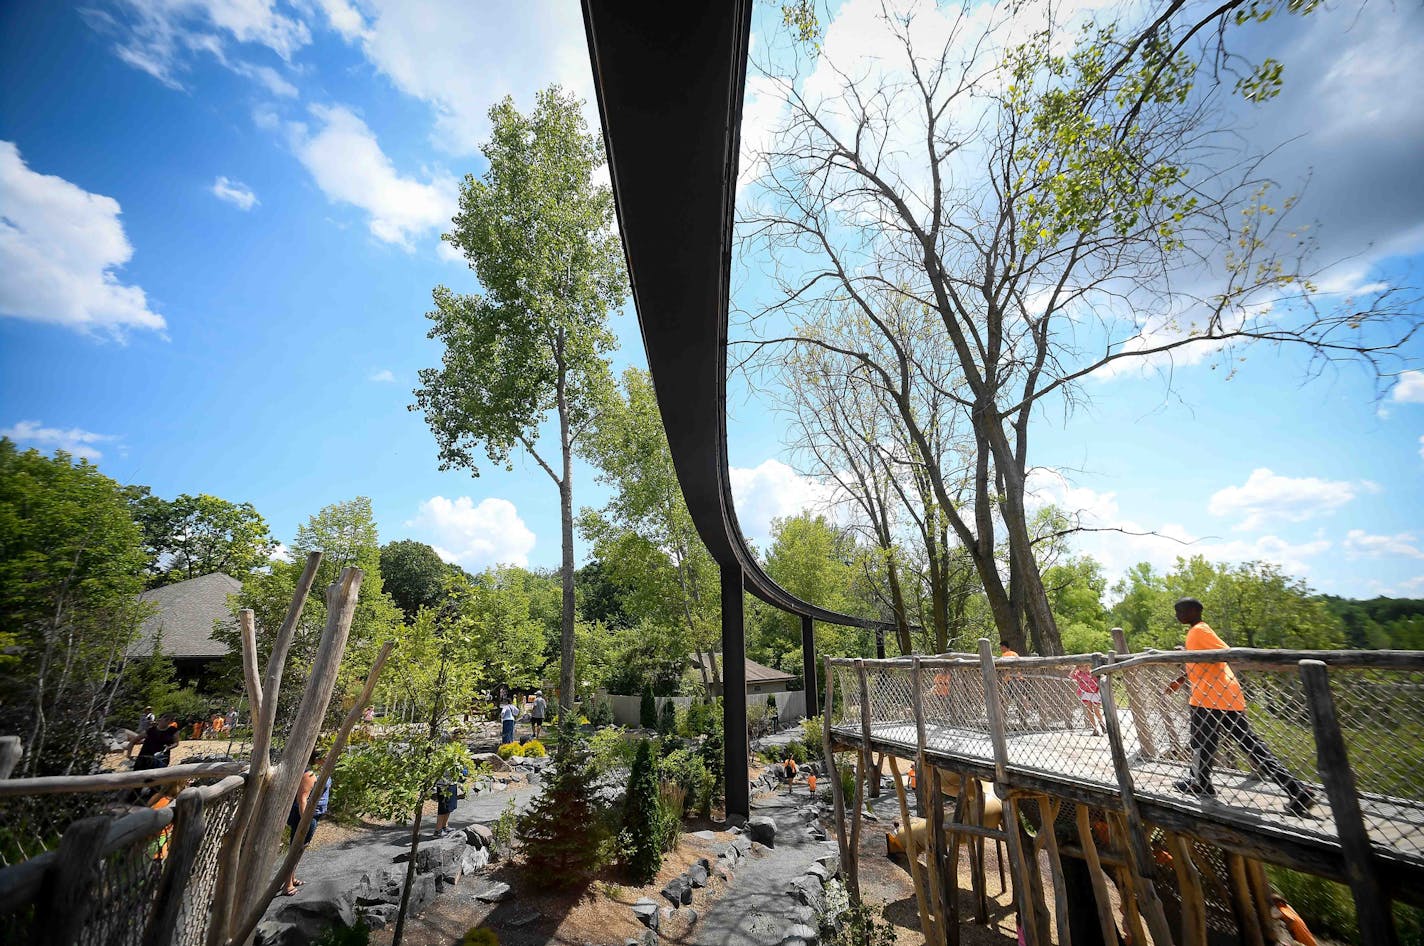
x=808, y=890
x=300, y=921
x=479, y=835
x=492, y=759
x=676, y=889
x=646, y=912
x=831, y=862
x=474, y=859
x=802, y=933
x=697, y=875
x=441, y=857
x=705, y=835
x=723, y=871
x=378, y=916
x=686, y=915
x=763, y=830
x=496, y=892
x=818, y=871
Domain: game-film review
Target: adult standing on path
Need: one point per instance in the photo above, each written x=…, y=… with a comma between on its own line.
x=294, y=817
x=1218, y=706
x=155, y=744
x=536, y=716
x=507, y=715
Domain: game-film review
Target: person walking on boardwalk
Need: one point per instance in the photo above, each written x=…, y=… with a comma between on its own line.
x=305, y=789
x=1218, y=707
x=1090, y=695
x=536, y=715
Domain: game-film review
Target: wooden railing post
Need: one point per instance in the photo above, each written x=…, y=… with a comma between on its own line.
x=927, y=784
x=1333, y=762
x=1141, y=717
x=189, y=826
x=995, y=711
x=68, y=894
x=10, y=752
x=1138, y=856
x=833, y=774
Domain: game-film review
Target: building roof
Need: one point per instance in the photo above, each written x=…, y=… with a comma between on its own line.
x=756, y=673
x=186, y=612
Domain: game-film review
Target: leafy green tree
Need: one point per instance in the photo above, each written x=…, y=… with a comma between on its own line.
x=564, y=831
x=644, y=536
x=539, y=235
x=413, y=575
x=149, y=681
x=642, y=817
x=817, y=562
x=600, y=596
x=198, y=535
x=71, y=566
x=1075, y=593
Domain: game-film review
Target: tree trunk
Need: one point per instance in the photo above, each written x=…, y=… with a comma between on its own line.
x=566, y=529
x=897, y=602
x=409, y=871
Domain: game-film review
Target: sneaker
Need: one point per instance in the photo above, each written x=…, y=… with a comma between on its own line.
x=442, y=832
x=1300, y=805
x=1188, y=787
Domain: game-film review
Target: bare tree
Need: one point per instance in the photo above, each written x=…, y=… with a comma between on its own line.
x=1031, y=206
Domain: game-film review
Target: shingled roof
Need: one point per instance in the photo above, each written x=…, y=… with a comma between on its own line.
x=756, y=673
x=186, y=612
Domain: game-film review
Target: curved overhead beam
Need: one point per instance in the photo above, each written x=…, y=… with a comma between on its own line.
x=670, y=80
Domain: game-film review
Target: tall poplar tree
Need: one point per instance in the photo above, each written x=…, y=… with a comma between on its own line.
x=539, y=235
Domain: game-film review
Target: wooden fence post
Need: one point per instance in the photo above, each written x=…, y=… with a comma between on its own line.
x=10, y=752
x=1138, y=855
x=926, y=784
x=68, y=892
x=1333, y=763
x=833, y=773
x=189, y=826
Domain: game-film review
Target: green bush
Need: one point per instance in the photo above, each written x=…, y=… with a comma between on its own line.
x=480, y=936
x=686, y=769
x=648, y=710
x=811, y=737
x=1329, y=910
x=611, y=749
x=564, y=833
x=343, y=935
x=712, y=757
x=509, y=750
x=667, y=719
x=503, y=829
x=643, y=818
x=601, y=713
x=534, y=749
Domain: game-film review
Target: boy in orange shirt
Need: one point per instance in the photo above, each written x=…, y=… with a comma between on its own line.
x=1218, y=706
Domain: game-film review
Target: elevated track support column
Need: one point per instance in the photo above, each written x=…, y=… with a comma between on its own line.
x=734, y=696
x=808, y=664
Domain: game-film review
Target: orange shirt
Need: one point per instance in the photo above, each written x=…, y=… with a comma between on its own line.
x=941, y=684
x=158, y=847
x=1298, y=930
x=1008, y=652
x=1214, y=686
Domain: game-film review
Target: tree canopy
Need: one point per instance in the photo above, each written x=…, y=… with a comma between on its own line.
x=197, y=535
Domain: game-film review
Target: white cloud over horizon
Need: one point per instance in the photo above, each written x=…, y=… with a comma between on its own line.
x=474, y=535
x=1409, y=388
x=60, y=251
x=233, y=192
x=347, y=163
x=75, y=440
x=772, y=490
x=1267, y=496
x=1360, y=544
x=383, y=376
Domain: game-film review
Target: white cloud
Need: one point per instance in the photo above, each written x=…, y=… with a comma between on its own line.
x=234, y=192
x=161, y=37
x=349, y=166
x=385, y=375
x=74, y=441
x=1360, y=544
x=476, y=535
x=1267, y=496
x=280, y=553
x=60, y=247
x=269, y=78
x=773, y=490
x=1421, y=448
x=461, y=58
x=1409, y=389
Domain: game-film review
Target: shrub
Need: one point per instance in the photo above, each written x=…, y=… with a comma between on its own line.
x=686, y=769
x=564, y=832
x=672, y=799
x=811, y=737
x=601, y=713
x=711, y=752
x=479, y=936
x=611, y=749
x=643, y=818
x=667, y=719
x=534, y=749
x=503, y=829
x=340, y=934
x=1329, y=910
x=510, y=749
x=648, y=710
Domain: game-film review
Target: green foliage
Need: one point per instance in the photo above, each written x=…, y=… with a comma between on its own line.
x=667, y=719
x=504, y=828
x=198, y=535
x=387, y=779
x=71, y=561
x=564, y=832
x=413, y=575
x=601, y=713
x=510, y=750
x=149, y=681
x=534, y=749
x=612, y=749
x=816, y=561
x=642, y=818
x=686, y=769
x=1381, y=623
x=711, y=749
x=859, y=926
x=1329, y=910
x=648, y=710
x=479, y=936
x=811, y=737
x=184, y=703
x=339, y=934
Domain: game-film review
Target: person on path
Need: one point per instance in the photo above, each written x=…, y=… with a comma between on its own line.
x=145, y=723
x=167, y=795
x=155, y=743
x=1291, y=921
x=507, y=715
x=1090, y=695
x=231, y=720
x=448, y=792
x=294, y=817
x=789, y=771
x=198, y=729
x=536, y=715
x=1218, y=707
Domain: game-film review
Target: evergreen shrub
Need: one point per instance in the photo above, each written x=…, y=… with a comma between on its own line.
x=667, y=719
x=643, y=818
x=564, y=832
x=648, y=710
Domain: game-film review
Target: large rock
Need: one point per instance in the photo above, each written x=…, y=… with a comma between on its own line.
x=474, y=859
x=831, y=862
x=819, y=872
x=742, y=844
x=646, y=912
x=492, y=759
x=495, y=893
x=479, y=835
x=801, y=934
x=441, y=857
x=697, y=875
x=808, y=890
x=300, y=921
x=379, y=915
x=762, y=829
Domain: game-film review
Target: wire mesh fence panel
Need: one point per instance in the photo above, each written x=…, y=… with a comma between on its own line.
x=30, y=825
x=892, y=710
x=1381, y=716
x=847, y=713
x=1053, y=730
x=123, y=898
x=956, y=715
x=219, y=814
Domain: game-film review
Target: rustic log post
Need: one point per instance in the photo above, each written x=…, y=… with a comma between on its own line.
x=68, y=892
x=951, y=870
x=978, y=882
x=833, y=773
x=1141, y=711
x=10, y=752
x=862, y=769
x=1261, y=895
x=1333, y=763
x=1138, y=855
x=189, y=826
x=1189, y=884
x=1095, y=873
x=1241, y=901
x=1048, y=812
x=926, y=785
x=912, y=853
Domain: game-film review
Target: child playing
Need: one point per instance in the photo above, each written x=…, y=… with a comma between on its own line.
x=1090, y=695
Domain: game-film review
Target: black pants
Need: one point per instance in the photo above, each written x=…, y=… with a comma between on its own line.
x=1209, y=725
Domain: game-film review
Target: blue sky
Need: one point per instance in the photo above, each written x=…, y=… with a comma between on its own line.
x=221, y=226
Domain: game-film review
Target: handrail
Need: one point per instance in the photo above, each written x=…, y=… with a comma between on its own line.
x=115, y=781
x=1261, y=658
